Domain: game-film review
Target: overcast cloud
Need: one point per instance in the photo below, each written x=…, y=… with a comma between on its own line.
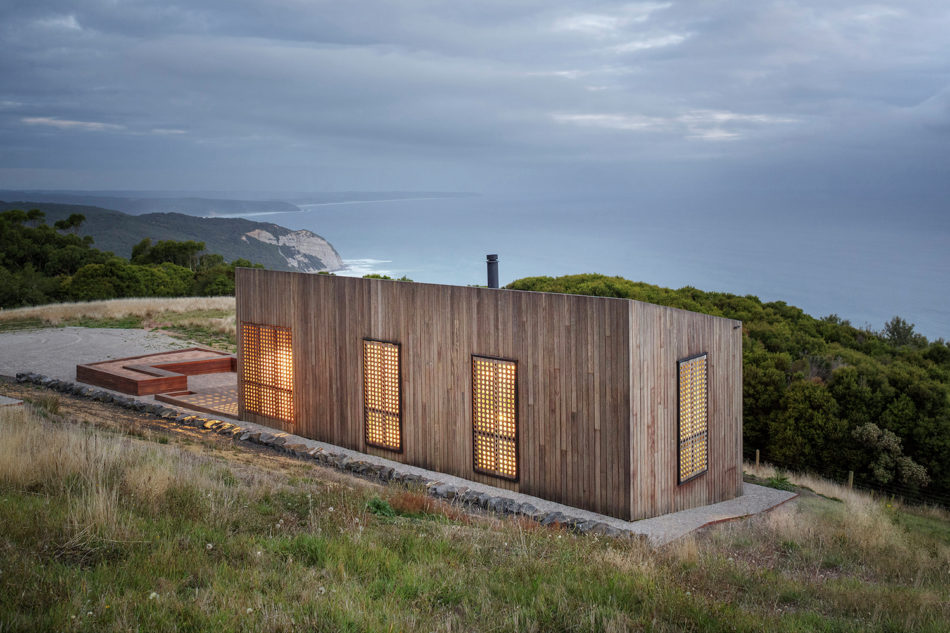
x=844, y=98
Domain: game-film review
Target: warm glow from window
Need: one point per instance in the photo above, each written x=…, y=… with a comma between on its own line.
x=693, y=418
x=381, y=398
x=495, y=416
x=267, y=371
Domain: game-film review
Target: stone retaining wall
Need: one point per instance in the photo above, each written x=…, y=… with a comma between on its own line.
x=458, y=495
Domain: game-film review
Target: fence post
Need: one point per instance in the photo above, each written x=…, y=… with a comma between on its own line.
x=850, y=479
x=756, y=458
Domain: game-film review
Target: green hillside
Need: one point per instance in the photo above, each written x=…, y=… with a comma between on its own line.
x=820, y=394
x=118, y=232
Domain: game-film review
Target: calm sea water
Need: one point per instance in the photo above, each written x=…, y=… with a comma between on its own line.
x=863, y=269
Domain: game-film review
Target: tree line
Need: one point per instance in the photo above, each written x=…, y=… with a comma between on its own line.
x=818, y=393
x=41, y=264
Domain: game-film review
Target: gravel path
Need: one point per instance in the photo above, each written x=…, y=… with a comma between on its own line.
x=55, y=353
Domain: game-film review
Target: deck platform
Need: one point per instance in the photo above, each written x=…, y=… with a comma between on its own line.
x=216, y=401
x=155, y=373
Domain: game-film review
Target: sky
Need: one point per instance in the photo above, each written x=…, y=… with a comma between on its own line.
x=837, y=101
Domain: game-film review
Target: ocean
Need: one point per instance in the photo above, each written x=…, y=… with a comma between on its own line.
x=863, y=268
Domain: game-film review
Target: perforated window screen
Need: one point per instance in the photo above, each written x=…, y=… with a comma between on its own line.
x=267, y=371
x=381, y=394
x=693, y=418
x=495, y=416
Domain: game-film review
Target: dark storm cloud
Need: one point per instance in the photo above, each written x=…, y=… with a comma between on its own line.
x=478, y=96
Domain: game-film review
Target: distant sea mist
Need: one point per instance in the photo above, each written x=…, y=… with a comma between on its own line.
x=865, y=269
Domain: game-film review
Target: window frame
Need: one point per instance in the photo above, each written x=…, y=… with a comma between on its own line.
x=679, y=418
x=366, y=409
x=517, y=407
x=262, y=386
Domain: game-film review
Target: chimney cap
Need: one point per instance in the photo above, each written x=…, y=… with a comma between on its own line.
x=492, y=258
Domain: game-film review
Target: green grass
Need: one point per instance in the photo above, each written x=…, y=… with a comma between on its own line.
x=104, y=532
x=127, y=322
x=173, y=318
x=209, y=327
x=205, y=326
x=779, y=482
x=929, y=528
x=205, y=336
x=22, y=324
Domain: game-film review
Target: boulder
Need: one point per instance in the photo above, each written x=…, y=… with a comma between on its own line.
x=554, y=518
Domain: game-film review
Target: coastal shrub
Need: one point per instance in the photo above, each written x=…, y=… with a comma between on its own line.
x=810, y=383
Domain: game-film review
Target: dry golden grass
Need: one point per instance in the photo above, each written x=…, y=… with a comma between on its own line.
x=148, y=308
x=93, y=469
x=867, y=518
x=819, y=485
x=221, y=325
x=208, y=321
x=857, y=501
x=853, y=519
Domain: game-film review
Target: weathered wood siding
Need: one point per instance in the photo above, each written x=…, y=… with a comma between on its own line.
x=659, y=337
x=573, y=374
x=597, y=382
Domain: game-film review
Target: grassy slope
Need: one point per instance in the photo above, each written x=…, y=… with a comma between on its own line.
x=102, y=530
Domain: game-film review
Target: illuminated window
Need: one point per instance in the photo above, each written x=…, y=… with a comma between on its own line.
x=267, y=371
x=381, y=397
x=494, y=417
x=693, y=418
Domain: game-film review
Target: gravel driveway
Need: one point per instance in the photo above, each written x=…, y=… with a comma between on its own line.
x=55, y=352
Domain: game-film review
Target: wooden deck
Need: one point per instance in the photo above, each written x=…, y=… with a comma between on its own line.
x=221, y=401
x=155, y=373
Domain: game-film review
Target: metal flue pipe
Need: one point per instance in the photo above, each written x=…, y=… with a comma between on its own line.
x=492, y=261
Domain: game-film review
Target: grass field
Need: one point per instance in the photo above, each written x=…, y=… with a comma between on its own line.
x=103, y=528
x=206, y=320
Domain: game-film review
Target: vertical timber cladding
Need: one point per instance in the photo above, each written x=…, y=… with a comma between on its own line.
x=661, y=337
x=573, y=372
x=266, y=302
x=596, y=379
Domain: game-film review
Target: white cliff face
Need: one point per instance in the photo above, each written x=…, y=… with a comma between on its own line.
x=300, y=248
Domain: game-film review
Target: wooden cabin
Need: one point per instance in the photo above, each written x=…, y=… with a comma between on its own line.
x=620, y=407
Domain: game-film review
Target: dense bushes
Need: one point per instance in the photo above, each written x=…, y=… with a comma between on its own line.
x=820, y=394
x=42, y=264
x=118, y=278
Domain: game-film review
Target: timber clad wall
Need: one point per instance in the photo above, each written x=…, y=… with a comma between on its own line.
x=660, y=337
x=596, y=381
